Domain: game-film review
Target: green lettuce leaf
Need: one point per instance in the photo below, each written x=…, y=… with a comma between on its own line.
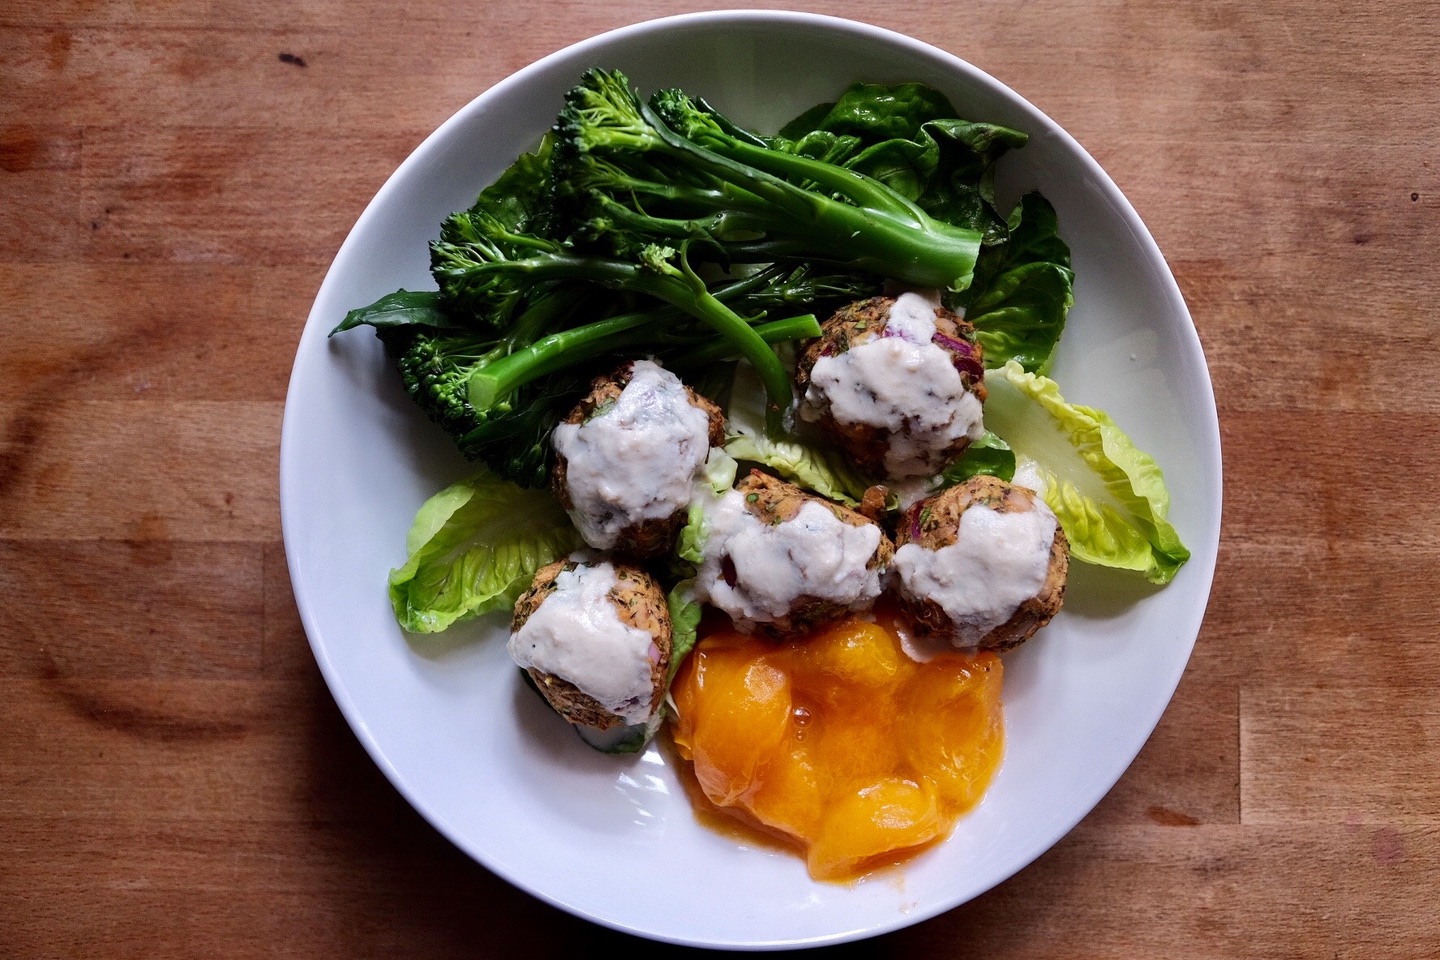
x=685, y=613
x=690, y=546
x=824, y=470
x=719, y=471
x=474, y=547
x=1109, y=496
x=717, y=476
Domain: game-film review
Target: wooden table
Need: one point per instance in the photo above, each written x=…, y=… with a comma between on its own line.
x=175, y=779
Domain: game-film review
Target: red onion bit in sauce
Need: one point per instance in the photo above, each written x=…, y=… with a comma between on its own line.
x=916, y=512
x=962, y=354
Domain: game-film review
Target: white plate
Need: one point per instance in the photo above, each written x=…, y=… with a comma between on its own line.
x=614, y=840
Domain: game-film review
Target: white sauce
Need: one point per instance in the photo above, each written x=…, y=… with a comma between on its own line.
x=577, y=635
x=997, y=562
x=912, y=316
x=814, y=554
x=901, y=382
x=931, y=295
x=635, y=461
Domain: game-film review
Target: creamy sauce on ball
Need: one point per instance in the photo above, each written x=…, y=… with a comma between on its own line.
x=814, y=554
x=997, y=562
x=576, y=634
x=902, y=382
x=635, y=461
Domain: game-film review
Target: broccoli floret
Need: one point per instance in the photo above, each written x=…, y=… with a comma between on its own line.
x=435, y=367
x=511, y=434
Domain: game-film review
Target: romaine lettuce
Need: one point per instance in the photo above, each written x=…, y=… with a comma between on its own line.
x=474, y=547
x=1109, y=496
x=685, y=613
x=824, y=470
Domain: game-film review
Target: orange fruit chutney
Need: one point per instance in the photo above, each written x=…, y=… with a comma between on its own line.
x=839, y=742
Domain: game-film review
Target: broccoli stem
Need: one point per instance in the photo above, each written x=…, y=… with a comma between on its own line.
x=882, y=231
x=743, y=338
x=612, y=142
x=776, y=331
x=859, y=189
x=737, y=219
x=498, y=380
x=542, y=315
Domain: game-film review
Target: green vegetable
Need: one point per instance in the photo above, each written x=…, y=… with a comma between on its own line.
x=871, y=113
x=631, y=738
x=685, y=613
x=690, y=545
x=989, y=456
x=474, y=547
x=675, y=168
x=1023, y=291
x=666, y=333
x=403, y=308
x=630, y=230
x=490, y=271
x=1109, y=496
x=909, y=138
x=499, y=395
x=718, y=477
x=823, y=469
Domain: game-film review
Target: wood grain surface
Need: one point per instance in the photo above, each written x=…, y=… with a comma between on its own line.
x=175, y=780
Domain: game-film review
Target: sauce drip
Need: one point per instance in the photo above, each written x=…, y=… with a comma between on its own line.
x=840, y=743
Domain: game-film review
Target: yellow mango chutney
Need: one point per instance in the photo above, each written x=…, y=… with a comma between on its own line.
x=839, y=743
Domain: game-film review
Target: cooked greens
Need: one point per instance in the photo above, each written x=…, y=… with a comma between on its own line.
x=662, y=227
